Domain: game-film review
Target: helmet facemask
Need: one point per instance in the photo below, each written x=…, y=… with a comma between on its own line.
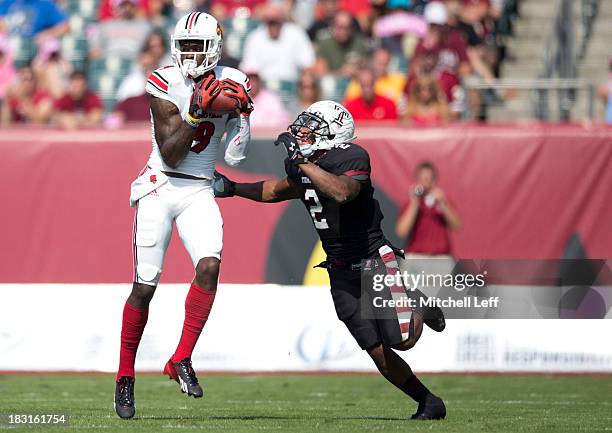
x=187, y=61
x=311, y=132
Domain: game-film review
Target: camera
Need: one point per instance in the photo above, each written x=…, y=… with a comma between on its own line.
x=419, y=190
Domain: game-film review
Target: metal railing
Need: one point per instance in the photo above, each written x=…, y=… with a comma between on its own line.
x=589, y=9
x=543, y=92
x=561, y=56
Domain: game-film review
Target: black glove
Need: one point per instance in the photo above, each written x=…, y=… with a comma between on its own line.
x=222, y=186
x=292, y=148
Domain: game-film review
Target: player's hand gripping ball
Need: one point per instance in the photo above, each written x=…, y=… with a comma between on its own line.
x=205, y=91
x=236, y=91
x=292, y=147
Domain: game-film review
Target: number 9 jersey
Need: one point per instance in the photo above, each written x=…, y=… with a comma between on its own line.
x=169, y=83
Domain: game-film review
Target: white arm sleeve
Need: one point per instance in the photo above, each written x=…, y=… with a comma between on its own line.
x=238, y=140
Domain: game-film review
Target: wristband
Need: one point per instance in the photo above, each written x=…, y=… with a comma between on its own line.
x=192, y=121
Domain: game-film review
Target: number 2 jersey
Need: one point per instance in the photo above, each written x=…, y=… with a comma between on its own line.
x=348, y=231
x=169, y=83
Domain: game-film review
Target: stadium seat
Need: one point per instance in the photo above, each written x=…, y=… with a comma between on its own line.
x=74, y=49
x=24, y=49
x=236, y=31
x=333, y=87
x=105, y=76
x=399, y=64
x=117, y=65
x=286, y=90
x=88, y=8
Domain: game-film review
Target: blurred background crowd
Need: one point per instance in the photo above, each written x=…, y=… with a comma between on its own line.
x=76, y=64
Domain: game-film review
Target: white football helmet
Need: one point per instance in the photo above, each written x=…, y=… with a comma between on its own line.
x=323, y=125
x=197, y=26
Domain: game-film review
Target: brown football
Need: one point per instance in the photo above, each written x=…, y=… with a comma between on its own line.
x=223, y=104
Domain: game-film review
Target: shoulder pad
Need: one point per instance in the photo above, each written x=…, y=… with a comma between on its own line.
x=222, y=72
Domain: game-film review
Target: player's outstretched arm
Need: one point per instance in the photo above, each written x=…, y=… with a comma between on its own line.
x=174, y=136
x=341, y=189
x=266, y=191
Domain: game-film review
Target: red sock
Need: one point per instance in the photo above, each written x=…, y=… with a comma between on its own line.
x=197, y=308
x=134, y=321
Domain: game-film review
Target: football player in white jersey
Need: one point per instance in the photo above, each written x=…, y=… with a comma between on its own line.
x=175, y=187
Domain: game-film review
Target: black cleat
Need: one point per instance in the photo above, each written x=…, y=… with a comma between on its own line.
x=124, y=397
x=419, y=410
x=182, y=372
x=434, y=318
x=432, y=408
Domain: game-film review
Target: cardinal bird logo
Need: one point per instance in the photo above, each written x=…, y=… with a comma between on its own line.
x=153, y=179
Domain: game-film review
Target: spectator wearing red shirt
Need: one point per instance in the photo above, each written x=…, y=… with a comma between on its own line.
x=223, y=9
x=108, y=9
x=426, y=221
x=79, y=107
x=370, y=106
x=447, y=44
x=25, y=101
x=133, y=109
x=442, y=53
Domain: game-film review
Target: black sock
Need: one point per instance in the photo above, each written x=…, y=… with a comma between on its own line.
x=415, y=389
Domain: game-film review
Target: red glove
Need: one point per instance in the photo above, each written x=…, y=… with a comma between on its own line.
x=237, y=91
x=204, y=92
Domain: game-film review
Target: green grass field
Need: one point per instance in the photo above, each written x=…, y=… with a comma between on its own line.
x=326, y=403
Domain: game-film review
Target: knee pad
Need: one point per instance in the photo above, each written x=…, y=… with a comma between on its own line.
x=147, y=274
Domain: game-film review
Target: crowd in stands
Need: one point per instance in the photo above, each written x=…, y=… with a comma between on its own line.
x=84, y=63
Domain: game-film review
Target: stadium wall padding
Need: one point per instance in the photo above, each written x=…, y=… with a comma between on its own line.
x=271, y=328
x=522, y=192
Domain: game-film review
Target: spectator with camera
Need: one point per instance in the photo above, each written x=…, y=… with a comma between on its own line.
x=426, y=221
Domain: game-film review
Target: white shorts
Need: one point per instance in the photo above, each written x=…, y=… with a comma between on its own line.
x=191, y=203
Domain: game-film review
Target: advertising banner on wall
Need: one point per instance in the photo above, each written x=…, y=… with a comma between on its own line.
x=270, y=328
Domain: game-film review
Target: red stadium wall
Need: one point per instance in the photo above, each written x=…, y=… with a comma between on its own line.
x=522, y=192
